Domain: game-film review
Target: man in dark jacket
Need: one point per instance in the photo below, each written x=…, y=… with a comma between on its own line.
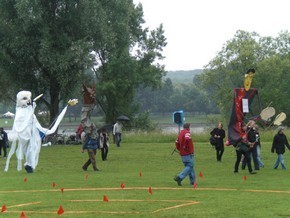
x=252, y=138
x=219, y=134
x=185, y=147
x=242, y=148
x=279, y=143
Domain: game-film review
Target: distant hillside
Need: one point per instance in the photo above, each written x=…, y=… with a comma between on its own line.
x=183, y=76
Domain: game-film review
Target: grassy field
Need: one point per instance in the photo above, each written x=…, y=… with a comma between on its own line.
x=145, y=165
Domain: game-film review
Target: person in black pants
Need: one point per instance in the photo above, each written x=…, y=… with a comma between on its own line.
x=3, y=142
x=219, y=134
x=252, y=138
x=242, y=148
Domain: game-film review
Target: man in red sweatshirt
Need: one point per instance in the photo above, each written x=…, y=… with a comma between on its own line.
x=185, y=147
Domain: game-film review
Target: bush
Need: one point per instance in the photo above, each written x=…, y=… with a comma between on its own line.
x=143, y=122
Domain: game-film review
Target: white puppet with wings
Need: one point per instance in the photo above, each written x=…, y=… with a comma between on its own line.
x=26, y=140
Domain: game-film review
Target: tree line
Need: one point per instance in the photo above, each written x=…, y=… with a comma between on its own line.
x=53, y=47
x=175, y=96
x=212, y=90
x=269, y=56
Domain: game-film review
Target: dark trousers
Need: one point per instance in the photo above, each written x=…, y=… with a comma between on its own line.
x=104, y=150
x=246, y=158
x=219, y=153
x=118, y=138
x=3, y=146
x=254, y=154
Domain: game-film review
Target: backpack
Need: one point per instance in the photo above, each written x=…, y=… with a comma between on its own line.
x=213, y=141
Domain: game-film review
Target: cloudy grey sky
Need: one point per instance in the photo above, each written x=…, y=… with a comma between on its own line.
x=197, y=29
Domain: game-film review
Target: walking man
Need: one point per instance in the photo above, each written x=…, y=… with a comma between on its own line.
x=185, y=147
x=280, y=141
x=219, y=134
x=117, y=132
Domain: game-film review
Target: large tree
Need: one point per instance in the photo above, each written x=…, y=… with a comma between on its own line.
x=46, y=47
x=129, y=60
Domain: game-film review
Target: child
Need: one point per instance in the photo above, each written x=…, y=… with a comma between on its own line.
x=104, y=144
x=279, y=143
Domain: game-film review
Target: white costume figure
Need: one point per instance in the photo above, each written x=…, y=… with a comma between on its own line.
x=25, y=132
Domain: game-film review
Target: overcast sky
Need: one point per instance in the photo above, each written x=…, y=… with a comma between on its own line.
x=197, y=29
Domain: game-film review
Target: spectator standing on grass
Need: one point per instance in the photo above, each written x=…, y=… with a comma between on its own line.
x=117, y=132
x=3, y=142
x=252, y=138
x=278, y=145
x=242, y=148
x=185, y=147
x=258, y=142
x=219, y=134
x=104, y=143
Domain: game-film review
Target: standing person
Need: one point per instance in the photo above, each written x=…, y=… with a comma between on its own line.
x=90, y=143
x=79, y=131
x=219, y=134
x=258, y=141
x=185, y=147
x=252, y=138
x=242, y=148
x=3, y=142
x=278, y=145
x=104, y=143
x=117, y=132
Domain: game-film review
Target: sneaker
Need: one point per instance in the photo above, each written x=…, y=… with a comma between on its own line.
x=28, y=169
x=252, y=172
x=84, y=168
x=178, y=180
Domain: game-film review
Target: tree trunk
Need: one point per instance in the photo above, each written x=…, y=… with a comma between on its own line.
x=54, y=101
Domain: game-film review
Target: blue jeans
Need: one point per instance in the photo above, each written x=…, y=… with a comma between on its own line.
x=261, y=164
x=280, y=159
x=188, y=161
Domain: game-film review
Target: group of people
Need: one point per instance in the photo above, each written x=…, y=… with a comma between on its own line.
x=247, y=148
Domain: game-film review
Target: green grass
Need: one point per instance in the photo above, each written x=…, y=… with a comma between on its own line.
x=219, y=193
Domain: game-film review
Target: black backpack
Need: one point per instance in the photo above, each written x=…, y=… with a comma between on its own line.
x=213, y=141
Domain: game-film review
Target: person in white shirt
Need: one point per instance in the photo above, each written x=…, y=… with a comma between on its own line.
x=117, y=132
